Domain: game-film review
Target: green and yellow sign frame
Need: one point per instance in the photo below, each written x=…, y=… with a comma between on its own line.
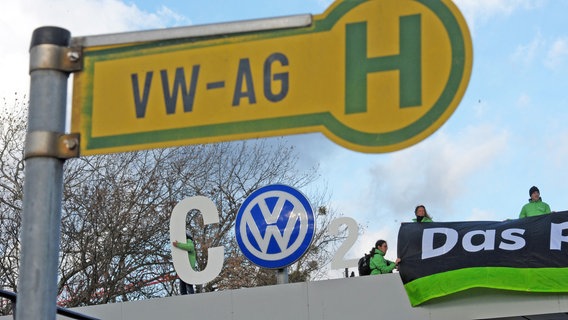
x=372, y=75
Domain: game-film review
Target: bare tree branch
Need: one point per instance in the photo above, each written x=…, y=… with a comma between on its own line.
x=115, y=242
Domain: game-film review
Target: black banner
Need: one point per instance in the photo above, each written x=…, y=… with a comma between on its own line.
x=539, y=242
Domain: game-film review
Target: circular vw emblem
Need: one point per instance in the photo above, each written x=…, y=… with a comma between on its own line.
x=275, y=226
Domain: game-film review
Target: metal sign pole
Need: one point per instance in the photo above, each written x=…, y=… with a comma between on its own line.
x=43, y=184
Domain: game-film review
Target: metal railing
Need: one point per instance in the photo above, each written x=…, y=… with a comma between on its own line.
x=12, y=296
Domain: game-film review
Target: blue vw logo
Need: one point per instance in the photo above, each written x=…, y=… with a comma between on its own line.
x=275, y=226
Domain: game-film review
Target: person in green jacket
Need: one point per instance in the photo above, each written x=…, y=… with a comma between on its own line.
x=421, y=214
x=379, y=264
x=189, y=246
x=536, y=206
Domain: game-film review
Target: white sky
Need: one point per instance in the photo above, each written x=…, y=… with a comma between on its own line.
x=508, y=133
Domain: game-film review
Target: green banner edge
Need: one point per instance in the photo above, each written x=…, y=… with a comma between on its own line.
x=552, y=280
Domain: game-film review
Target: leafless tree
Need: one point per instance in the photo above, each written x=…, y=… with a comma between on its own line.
x=114, y=228
x=115, y=242
x=12, y=135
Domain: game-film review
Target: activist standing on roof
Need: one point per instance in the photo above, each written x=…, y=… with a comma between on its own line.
x=536, y=206
x=421, y=214
x=379, y=264
x=189, y=246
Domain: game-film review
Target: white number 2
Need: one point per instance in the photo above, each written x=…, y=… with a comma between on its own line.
x=339, y=261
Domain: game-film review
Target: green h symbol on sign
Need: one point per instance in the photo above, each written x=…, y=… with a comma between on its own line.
x=358, y=65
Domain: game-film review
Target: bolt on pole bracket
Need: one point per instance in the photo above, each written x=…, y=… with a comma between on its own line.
x=49, y=56
x=51, y=144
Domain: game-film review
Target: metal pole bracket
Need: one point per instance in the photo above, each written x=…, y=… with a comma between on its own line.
x=49, y=56
x=51, y=144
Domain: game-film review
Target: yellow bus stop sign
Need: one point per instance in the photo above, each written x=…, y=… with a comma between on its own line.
x=372, y=75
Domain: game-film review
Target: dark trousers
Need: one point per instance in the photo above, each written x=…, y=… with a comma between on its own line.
x=185, y=288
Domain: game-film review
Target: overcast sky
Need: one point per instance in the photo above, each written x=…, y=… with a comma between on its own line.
x=508, y=133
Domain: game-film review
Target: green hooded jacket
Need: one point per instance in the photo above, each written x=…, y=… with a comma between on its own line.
x=425, y=219
x=379, y=264
x=189, y=246
x=534, y=208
